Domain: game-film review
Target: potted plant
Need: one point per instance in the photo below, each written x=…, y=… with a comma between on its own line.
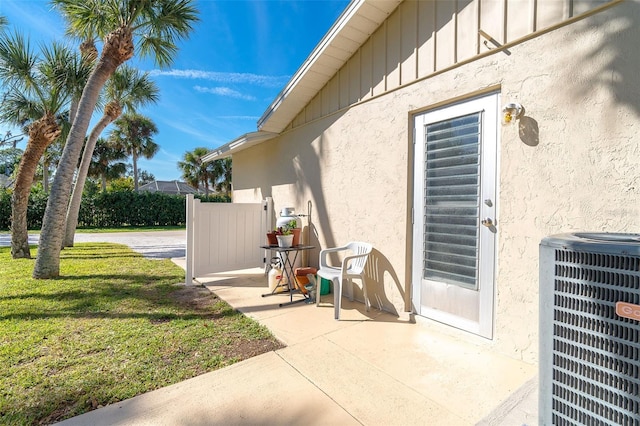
x=284, y=234
x=271, y=238
x=293, y=225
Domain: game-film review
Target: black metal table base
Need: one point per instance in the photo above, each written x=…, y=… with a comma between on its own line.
x=288, y=271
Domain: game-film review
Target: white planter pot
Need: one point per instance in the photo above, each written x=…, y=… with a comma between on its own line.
x=285, y=240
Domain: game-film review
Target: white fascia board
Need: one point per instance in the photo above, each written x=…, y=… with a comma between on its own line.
x=243, y=142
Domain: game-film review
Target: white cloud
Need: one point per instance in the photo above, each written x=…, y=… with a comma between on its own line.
x=225, y=77
x=189, y=130
x=224, y=91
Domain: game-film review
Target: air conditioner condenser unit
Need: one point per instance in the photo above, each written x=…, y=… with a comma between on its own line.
x=590, y=329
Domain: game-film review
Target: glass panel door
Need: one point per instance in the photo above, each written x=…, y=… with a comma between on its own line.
x=455, y=228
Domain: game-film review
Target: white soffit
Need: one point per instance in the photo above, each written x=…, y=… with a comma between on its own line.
x=360, y=19
x=243, y=142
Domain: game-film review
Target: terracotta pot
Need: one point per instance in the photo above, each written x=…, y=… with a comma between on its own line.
x=301, y=277
x=296, y=235
x=271, y=239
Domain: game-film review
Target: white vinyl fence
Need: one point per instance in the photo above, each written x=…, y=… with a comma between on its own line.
x=225, y=236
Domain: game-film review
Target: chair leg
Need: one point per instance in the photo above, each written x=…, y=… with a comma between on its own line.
x=350, y=288
x=337, y=297
x=367, y=303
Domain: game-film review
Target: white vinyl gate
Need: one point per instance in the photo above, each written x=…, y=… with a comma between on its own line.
x=225, y=236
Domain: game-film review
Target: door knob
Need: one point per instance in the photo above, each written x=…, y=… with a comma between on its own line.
x=487, y=222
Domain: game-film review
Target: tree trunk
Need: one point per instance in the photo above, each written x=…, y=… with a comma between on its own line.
x=104, y=182
x=88, y=50
x=73, y=109
x=45, y=176
x=134, y=159
x=118, y=48
x=41, y=134
x=111, y=113
x=205, y=182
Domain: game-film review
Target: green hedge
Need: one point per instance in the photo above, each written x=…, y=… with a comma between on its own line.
x=111, y=209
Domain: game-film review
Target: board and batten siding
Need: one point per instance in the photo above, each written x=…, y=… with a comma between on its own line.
x=424, y=37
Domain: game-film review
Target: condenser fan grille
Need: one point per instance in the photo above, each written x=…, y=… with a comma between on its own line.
x=595, y=352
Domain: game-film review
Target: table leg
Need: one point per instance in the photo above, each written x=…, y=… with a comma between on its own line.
x=288, y=271
x=291, y=276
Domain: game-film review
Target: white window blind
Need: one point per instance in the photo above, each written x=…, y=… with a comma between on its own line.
x=452, y=200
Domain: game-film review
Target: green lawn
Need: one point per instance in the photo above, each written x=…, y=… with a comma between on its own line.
x=114, y=325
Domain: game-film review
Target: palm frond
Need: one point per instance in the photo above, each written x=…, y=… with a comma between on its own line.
x=19, y=109
x=88, y=19
x=160, y=49
x=161, y=25
x=17, y=60
x=131, y=88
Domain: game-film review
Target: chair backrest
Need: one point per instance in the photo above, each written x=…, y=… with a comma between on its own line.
x=357, y=265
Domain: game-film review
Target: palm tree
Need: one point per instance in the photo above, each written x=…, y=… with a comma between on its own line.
x=126, y=89
x=107, y=162
x=194, y=171
x=153, y=27
x=145, y=177
x=37, y=93
x=222, y=180
x=134, y=133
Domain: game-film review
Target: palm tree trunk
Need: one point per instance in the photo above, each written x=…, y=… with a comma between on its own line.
x=41, y=134
x=103, y=178
x=205, y=182
x=134, y=159
x=73, y=109
x=48, y=261
x=118, y=48
x=45, y=176
x=76, y=196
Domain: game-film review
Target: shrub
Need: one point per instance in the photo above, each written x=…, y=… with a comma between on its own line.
x=111, y=209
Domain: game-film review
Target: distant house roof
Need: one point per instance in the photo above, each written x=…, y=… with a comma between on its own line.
x=6, y=182
x=169, y=187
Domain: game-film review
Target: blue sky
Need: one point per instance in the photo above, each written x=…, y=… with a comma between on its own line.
x=238, y=58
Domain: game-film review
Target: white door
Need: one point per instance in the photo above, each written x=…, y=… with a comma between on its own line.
x=455, y=214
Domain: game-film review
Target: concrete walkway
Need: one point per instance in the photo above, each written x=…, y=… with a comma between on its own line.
x=370, y=368
x=152, y=244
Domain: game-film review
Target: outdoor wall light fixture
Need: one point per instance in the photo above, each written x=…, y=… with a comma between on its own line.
x=511, y=112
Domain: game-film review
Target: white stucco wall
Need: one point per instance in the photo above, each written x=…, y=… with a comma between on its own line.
x=576, y=165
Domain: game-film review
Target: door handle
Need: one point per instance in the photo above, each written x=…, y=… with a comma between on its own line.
x=487, y=222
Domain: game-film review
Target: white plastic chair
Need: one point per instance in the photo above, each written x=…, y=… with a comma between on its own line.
x=352, y=267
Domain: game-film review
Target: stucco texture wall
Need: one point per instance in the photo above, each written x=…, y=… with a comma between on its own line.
x=571, y=164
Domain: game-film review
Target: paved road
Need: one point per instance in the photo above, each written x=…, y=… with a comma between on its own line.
x=152, y=245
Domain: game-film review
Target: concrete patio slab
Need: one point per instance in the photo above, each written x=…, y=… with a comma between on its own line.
x=447, y=370
x=370, y=395
x=385, y=369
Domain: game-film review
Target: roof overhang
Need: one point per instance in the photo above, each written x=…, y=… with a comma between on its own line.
x=357, y=23
x=243, y=142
